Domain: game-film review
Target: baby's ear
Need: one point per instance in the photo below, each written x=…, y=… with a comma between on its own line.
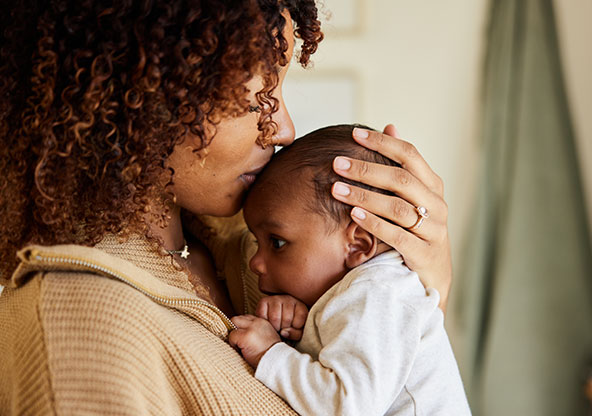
x=362, y=245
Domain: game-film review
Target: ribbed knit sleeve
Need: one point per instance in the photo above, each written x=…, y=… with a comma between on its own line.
x=103, y=347
x=77, y=343
x=25, y=387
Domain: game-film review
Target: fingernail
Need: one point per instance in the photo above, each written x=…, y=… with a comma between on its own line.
x=341, y=189
x=342, y=163
x=285, y=333
x=359, y=213
x=360, y=134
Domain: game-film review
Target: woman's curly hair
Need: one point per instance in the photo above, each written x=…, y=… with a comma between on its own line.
x=95, y=94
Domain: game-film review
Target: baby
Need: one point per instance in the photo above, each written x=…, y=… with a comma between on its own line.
x=374, y=341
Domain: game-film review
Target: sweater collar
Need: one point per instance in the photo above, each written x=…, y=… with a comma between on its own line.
x=161, y=282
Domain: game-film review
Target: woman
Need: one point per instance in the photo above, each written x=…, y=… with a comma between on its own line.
x=114, y=118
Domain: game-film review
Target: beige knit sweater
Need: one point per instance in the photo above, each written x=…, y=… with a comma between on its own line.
x=116, y=329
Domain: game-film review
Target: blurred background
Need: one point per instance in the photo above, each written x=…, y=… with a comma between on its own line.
x=496, y=95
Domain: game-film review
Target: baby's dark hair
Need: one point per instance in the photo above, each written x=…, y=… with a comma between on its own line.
x=315, y=153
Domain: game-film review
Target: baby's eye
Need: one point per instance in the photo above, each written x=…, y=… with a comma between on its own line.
x=254, y=109
x=277, y=243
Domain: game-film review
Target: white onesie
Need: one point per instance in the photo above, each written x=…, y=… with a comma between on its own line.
x=373, y=344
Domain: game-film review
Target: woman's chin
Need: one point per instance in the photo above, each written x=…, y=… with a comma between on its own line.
x=231, y=211
x=230, y=207
x=226, y=204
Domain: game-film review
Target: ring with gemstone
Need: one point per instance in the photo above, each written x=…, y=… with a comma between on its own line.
x=422, y=214
x=422, y=211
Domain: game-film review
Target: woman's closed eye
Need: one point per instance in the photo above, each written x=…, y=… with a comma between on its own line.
x=254, y=109
x=277, y=243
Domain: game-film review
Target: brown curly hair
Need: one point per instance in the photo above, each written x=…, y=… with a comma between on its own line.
x=95, y=94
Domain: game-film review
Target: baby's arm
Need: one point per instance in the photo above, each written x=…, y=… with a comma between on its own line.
x=286, y=314
x=363, y=362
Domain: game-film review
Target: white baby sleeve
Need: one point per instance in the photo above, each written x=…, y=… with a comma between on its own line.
x=369, y=340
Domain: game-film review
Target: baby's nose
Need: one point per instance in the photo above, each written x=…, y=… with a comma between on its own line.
x=257, y=265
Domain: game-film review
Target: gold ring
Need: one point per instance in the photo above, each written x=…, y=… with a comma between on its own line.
x=422, y=214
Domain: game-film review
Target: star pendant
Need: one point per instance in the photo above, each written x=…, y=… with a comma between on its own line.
x=185, y=253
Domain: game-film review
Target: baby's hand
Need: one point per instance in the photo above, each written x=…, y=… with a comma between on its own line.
x=253, y=337
x=285, y=313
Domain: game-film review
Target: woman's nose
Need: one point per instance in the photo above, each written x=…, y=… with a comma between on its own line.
x=286, y=133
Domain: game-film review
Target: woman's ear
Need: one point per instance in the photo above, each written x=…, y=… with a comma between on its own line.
x=361, y=245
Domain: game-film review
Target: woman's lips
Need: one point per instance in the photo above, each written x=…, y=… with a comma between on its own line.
x=249, y=177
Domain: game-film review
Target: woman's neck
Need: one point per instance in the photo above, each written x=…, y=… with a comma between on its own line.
x=172, y=234
x=199, y=264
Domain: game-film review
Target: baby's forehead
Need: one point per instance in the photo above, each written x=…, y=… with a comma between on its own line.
x=286, y=188
x=287, y=198
x=285, y=193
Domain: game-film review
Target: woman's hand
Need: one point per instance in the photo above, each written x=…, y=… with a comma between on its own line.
x=285, y=313
x=422, y=240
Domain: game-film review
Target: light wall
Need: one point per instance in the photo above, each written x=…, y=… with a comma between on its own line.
x=414, y=65
x=418, y=64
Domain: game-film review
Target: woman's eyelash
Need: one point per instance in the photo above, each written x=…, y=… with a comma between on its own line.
x=254, y=109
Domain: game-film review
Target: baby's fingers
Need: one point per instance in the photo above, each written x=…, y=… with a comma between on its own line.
x=287, y=315
x=274, y=315
x=262, y=310
x=242, y=321
x=235, y=337
x=292, y=334
x=300, y=315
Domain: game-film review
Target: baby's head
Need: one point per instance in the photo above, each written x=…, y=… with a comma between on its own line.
x=307, y=240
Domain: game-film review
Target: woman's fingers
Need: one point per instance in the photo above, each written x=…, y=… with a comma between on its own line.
x=414, y=220
x=402, y=152
x=395, y=209
x=400, y=239
x=390, y=178
x=392, y=208
x=381, y=211
x=390, y=130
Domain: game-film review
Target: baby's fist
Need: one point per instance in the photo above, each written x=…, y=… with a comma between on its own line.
x=253, y=336
x=285, y=313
